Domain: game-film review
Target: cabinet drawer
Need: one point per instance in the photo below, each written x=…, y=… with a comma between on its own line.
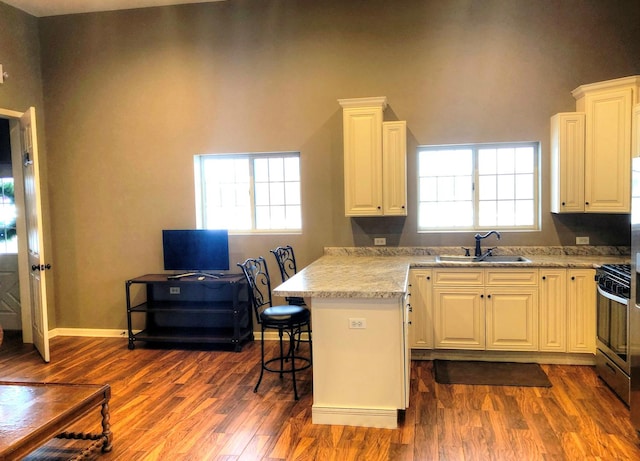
x=458, y=277
x=507, y=277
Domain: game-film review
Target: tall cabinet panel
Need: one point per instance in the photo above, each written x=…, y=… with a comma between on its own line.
x=581, y=295
x=567, y=162
x=553, y=310
x=608, y=151
x=394, y=168
x=421, y=313
x=363, y=160
x=635, y=133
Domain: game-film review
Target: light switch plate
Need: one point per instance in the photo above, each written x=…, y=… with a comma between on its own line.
x=380, y=241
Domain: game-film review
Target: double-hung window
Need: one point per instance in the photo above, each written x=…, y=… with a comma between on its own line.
x=255, y=192
x=478, y=187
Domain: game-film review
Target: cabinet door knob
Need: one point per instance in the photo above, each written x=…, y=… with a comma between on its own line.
x=544, y=277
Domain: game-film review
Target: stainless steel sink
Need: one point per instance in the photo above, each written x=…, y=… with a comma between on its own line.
x=455, y=258
x=486, y=259
x=504, y=259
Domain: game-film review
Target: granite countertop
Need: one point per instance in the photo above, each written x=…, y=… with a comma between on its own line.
x=365, y=272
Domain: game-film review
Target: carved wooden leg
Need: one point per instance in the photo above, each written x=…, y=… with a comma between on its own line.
x=106, y=427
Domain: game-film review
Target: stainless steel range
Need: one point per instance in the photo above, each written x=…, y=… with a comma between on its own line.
x=613, y=356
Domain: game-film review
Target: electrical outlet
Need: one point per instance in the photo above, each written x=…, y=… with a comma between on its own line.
x=381, y=241
x=358, y=323
x=582, y=240
x=174, y=290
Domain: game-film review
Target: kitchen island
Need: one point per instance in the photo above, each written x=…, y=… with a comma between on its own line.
x=359, y=300
x=361, y=363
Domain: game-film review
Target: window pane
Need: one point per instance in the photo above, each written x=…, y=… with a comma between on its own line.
x=276, y=169
x=292, y=169
x=8, y=215
x=292, y=193
x=487, y=161
x=525, y=161
x=276, y=193
x=262, y=194
x=488, y=189
x=524, y=213
x=506, y=187
x=524, y=186
x=505, y=162
x=261, y=170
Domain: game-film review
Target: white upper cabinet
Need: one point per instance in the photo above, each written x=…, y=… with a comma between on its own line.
x=374, y=160
x=607, y=136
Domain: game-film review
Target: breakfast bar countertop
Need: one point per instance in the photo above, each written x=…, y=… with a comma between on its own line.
x=381, y=273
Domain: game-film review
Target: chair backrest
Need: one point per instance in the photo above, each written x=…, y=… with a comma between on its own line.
x=257, y=274
x=286, y=261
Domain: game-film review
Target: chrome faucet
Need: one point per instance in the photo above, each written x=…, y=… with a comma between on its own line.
x=479, y=237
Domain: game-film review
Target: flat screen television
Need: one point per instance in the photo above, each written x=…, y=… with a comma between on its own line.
x=195, y=250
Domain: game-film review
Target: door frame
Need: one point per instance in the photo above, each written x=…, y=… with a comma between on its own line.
x=21, y=224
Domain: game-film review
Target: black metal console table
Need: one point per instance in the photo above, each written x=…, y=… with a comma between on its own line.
x=189, y=309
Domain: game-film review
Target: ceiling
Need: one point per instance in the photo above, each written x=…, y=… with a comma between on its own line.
x=42, y=8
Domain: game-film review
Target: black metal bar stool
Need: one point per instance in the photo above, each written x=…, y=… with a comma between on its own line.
x=289, y=318
x=286, y=260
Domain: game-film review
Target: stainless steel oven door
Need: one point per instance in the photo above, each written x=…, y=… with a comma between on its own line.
x=613, y=328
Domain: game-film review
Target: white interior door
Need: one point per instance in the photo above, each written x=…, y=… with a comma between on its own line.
x=36, y=254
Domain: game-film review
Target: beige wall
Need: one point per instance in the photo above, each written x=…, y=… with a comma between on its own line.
x=131, y=96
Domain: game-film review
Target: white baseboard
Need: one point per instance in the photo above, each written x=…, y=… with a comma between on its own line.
x=89, y=333
x=114, y=333
x=385, y=418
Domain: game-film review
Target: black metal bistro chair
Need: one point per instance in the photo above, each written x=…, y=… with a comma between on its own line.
x=286, y=260
x=290, y=319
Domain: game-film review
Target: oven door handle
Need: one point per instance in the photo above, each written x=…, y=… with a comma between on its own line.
x=613, y=297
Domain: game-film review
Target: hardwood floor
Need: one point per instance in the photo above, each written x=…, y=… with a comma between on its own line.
x=197, y=405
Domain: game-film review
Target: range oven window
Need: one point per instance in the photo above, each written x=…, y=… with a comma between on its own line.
x=612, y=325
x=613, y=312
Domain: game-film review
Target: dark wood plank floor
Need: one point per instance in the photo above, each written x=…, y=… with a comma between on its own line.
x=180, y=404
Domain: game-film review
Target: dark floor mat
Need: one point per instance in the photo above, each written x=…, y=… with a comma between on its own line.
x=490, y=373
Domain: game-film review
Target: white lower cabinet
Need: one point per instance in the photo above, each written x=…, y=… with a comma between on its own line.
x=581, y=305
x=553, y=310
x=486, y=309
x=512, y=318
x=458, y=315
x=546, y=310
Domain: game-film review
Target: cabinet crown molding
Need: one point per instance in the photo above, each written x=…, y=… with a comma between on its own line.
x=623, y=82
x=380, y=101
